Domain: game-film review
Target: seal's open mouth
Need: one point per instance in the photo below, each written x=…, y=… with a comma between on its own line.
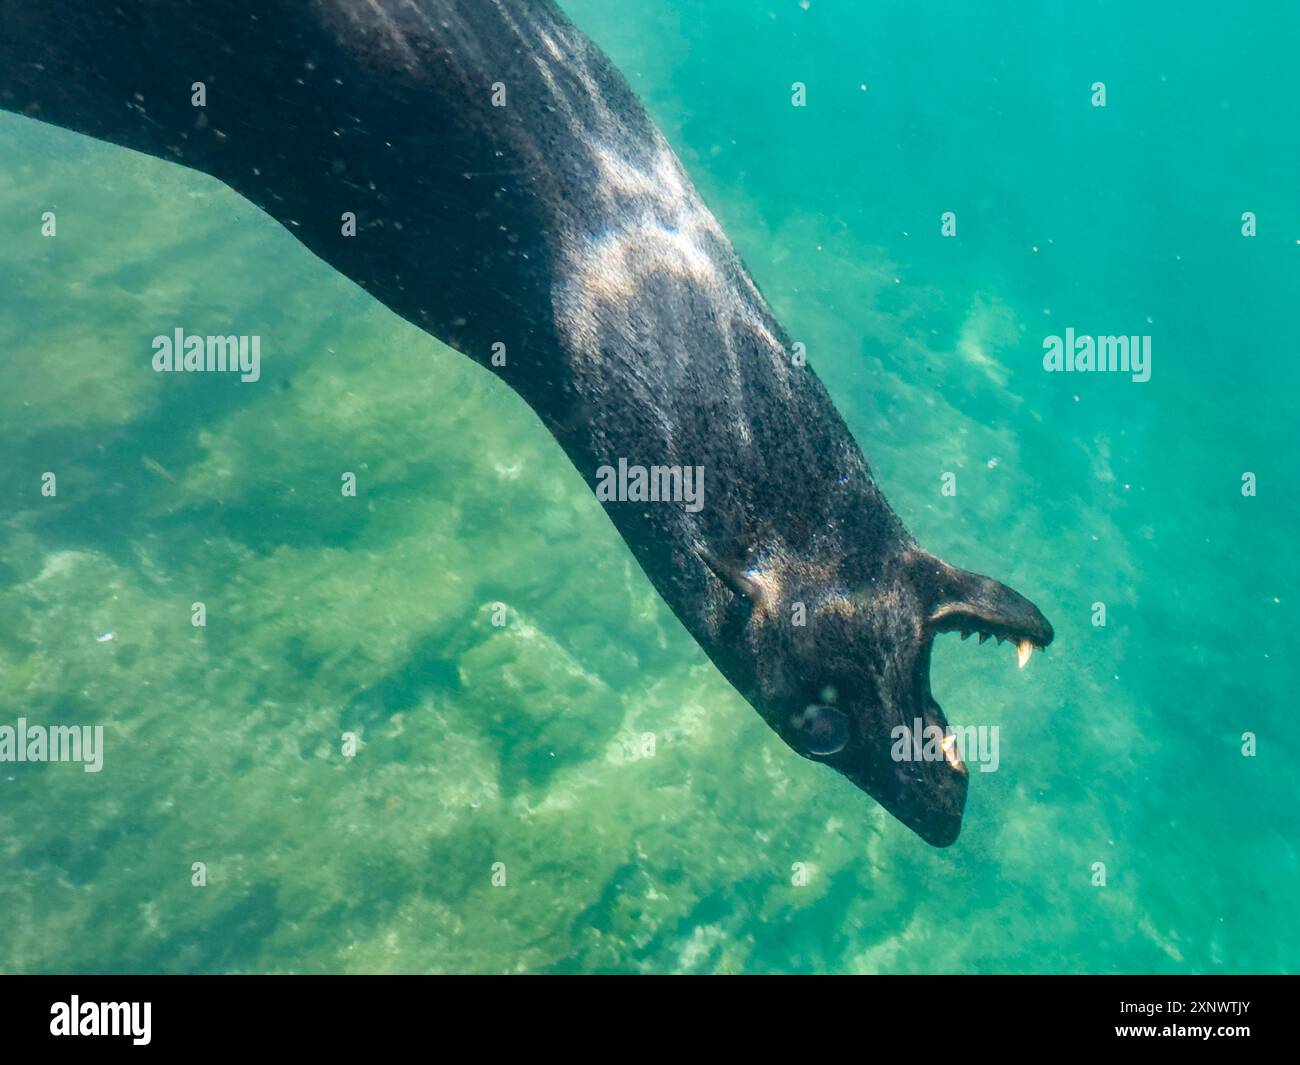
x=1011, y=618
x=929, y=796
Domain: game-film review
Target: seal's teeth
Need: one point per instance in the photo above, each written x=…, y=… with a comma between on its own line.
x=983, y=636
x=965, y=635
x=1023, y=650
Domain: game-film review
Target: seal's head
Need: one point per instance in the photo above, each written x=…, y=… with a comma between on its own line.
x=839, y=658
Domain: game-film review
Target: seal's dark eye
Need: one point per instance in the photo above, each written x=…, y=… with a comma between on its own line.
x=823, y=729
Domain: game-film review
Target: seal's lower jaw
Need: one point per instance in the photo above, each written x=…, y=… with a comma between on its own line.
x=939, y=797
x=937, y=819
x=928, y=796
x=911, y=766
x=942, y=830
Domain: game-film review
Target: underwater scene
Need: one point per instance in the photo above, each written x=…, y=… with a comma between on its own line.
x=374, y=685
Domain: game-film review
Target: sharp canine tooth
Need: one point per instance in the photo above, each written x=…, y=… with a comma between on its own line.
x=1023, y=650
x=983, y=636
x=965, y=635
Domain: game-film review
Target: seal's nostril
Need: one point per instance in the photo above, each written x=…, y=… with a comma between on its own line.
x=823, y=729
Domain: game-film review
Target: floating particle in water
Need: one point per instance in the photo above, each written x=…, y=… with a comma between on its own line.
x=106, y=636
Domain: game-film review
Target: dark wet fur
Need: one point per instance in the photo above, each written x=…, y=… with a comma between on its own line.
x=469, y=217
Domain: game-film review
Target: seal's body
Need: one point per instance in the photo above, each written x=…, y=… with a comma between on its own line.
x=513, y=199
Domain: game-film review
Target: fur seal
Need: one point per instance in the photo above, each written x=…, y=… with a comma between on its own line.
x=513, y=199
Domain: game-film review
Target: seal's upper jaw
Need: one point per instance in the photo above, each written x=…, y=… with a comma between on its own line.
x=957, y=600
x=971, y=603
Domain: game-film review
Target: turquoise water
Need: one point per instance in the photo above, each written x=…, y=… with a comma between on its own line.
x=523, y=744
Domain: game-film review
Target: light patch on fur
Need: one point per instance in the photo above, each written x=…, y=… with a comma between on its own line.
x=671, y=233
x=769, y=591
x=653, y=222
x=615, y=264
x=840, y=605
x=548, y=42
